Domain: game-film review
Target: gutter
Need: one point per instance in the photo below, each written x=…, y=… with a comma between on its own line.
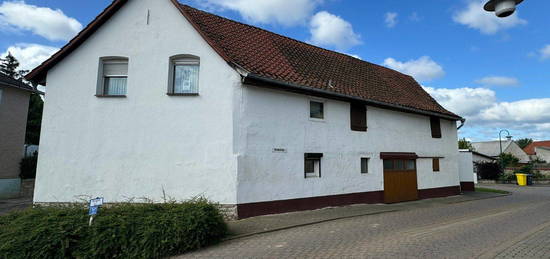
x=462, y=122
x=252, y=76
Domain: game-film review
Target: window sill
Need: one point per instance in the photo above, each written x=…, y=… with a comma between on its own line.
x=316, y=119
x=182, y=94
x=110, y=96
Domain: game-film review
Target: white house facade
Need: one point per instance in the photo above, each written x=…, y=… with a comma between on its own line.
x=149, y=101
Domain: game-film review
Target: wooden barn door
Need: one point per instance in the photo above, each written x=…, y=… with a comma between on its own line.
x=400, y=180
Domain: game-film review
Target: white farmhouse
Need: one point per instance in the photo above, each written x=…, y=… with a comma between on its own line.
x=157, y=97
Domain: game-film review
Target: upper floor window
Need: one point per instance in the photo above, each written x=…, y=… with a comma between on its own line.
x=358, y=114
x=184, y=75
x=113, y=78
x=435, y=125
x=316, y=110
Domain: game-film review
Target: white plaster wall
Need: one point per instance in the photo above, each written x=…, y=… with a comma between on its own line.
x=275, y=119
x=123, y=148
x=543, y=153
x=466, y=166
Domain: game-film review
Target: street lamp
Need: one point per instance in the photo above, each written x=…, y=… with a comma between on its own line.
x=502, y=8
x=509, y=137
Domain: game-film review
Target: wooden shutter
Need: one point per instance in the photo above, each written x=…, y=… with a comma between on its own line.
x=435, y=164
x=435, y=124
x=358, y=114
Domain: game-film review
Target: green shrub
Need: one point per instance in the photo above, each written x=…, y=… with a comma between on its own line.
x=488, y=170
x=27, y=166
x=120, y=231
x=507, y=177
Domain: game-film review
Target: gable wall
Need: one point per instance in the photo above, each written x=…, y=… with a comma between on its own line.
x=515, y=150
x=147, y=143
x=276, y=119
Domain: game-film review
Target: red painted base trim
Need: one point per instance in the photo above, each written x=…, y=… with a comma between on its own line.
x=467, y=186
x=247, y=210
x=438, y=192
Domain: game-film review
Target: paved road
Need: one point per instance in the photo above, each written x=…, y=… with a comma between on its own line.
x=515, y=226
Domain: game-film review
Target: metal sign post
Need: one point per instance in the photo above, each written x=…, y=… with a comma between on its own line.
x=94, y=208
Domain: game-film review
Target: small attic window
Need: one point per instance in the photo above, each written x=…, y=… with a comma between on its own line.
x=184, y=75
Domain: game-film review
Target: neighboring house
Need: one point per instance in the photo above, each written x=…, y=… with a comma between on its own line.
x=156, y=97
x=492, y=149
x=14, y=105
x=539, y=149
x=478, y=157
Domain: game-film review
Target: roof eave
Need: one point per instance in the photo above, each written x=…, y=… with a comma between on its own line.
x=38, y=75
x=315, y=91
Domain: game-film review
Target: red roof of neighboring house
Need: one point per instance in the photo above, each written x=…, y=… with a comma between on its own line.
x=289, y=64
x=530, y=149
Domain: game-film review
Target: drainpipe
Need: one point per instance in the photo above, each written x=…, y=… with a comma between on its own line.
x=462, y=122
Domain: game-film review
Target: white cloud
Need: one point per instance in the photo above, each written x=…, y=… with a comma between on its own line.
x=485, y=115
x=422, y=69
x=475, y=17
x=285, y=12
x=498, y=81
x=330, y=30
x=463, y=101
x=390, y=19
x=30, y=55
x=545, y=52
x=51, y=24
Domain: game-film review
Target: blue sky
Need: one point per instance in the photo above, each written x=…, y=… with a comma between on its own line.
x=494, y=72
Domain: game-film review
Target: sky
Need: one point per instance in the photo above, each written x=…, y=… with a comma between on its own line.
x=494, y=72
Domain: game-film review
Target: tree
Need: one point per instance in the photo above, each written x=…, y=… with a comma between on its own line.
x=465, y=144
x=9, y=65
x=34, y=119
x=507, y=159
x=522, y=143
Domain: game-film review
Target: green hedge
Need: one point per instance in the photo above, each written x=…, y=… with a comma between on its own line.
x=121, y=231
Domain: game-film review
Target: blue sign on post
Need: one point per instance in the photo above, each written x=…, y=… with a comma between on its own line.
x=93, y=210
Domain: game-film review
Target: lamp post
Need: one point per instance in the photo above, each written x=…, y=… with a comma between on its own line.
x=509, y=137
x=502, y=8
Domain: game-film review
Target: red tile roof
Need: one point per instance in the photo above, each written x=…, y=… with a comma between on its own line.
x=530, y=149
x=266, y=55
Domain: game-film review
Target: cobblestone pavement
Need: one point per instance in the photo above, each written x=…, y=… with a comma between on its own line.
x=479, y=228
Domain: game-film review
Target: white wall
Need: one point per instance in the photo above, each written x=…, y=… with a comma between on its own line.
x=543, y=153
x=466, y=166
x=122, y=148
x=275, y=119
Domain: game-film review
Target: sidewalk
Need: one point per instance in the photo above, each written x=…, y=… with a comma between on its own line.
x=270, y=223
x=14, y=204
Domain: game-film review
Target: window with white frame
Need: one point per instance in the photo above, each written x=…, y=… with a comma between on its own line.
x=184, y=75
x=114, y=77
x=312, y=165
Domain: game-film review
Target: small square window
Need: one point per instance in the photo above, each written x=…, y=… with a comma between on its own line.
x=435, y=164
x=364, y=165
x=316, y=110
x=312, y=165
x=409, y=164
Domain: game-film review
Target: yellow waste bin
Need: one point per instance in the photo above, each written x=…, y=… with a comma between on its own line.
x=522, y=179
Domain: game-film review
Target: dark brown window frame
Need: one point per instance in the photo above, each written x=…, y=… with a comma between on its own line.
x=312, y=157
x=436, y=165
x=358, y=117
x=435, y=126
